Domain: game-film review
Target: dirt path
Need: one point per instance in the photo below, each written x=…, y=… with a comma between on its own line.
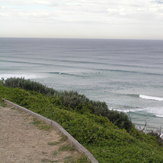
x=24, y=139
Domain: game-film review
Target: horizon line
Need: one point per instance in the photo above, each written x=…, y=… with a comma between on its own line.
x=141, y=39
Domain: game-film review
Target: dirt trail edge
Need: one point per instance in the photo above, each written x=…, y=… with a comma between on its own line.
x=24, y=139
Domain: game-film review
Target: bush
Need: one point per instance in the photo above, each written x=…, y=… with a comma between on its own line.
x=71, y=100
x=28, y=85
x=106, y=141
x=157, y=136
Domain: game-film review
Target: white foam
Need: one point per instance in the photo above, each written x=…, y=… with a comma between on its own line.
x=159, y=115
x=157, y=111
x=129, y=110
x=151, y=98
x=26, y=76
x=161, y=136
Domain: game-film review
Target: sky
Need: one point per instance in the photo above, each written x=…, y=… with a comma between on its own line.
x=110, y=19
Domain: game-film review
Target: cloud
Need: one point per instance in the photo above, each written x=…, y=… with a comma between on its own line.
x=78, y=13
x=159, y=1
x=66, y=10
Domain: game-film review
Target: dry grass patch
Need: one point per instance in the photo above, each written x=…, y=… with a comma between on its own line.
x=81, y=159
x=2, y=104
x=66, y=147
x=48, y=161
x=53, y=143
x=41, y=125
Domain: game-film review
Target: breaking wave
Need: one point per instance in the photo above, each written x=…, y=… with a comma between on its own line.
x=151, y=98
x=156, y=111
x=26, y=76
x=63, y=73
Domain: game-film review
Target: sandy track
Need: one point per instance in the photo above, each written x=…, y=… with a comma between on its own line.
x=23, y=142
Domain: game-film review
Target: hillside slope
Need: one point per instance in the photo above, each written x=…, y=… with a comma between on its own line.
x=105, y=140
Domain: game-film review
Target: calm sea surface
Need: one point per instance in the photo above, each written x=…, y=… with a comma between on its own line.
x=126, y=74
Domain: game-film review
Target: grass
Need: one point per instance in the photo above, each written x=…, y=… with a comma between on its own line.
x=63, y=138
x=105, y=140
x=71, y=100
x=70, y=159
x=55, y=153
x=41, y=125
x=66, y=147
x=48, y=161
x=82, y=159
x=2, y=102
x=53, y=143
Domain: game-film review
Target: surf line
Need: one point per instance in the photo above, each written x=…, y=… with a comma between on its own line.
x=151, y=98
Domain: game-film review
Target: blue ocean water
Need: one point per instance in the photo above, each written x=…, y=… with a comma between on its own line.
x=126, y=74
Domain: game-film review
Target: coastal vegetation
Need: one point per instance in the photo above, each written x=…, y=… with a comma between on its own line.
x=71, y=100
x=108, y=134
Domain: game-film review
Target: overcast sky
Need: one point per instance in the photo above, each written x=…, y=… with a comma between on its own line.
x=123, y=19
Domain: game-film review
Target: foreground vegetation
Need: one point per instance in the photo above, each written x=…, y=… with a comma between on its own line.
x=109, y=135
x=72, y=101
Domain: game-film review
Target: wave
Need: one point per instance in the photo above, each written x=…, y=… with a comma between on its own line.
x=151, y=98
x=26, y=76
x=79, y=66
x=155, y=111
x=129, y=110
x=24, y=62
x=133, y=72
x=146, y=97
x=132, y=95
x=159, y=115
x=45, y=64
x=63, y=73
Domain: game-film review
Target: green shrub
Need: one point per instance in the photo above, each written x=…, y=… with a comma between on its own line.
x=106, y=141
x=28, y=85
x=71, y=100
x=157, y=136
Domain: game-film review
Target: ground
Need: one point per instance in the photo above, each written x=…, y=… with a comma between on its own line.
x=24, y=139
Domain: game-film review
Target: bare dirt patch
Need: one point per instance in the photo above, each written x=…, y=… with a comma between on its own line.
x=24, y=139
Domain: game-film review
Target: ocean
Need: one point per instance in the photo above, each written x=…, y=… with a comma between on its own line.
x=126, y=74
